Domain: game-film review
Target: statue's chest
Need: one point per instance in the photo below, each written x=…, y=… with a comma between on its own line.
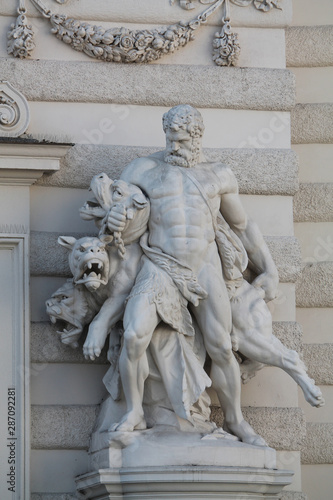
x=174, y=182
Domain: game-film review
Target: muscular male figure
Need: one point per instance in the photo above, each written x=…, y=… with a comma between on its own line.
x=181, y=225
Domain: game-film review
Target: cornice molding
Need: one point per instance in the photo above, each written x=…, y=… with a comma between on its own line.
x=23, y=164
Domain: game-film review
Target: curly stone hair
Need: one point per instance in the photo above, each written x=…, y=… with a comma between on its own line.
x=186, y=117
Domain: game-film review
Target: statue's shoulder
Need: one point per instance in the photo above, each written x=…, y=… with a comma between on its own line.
x=134, y=170
x=225, y=175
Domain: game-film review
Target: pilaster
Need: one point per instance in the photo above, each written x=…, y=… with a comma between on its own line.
x=21, y=164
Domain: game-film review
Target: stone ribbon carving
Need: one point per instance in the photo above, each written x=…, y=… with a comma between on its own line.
x=14, y=111
x=263, y=5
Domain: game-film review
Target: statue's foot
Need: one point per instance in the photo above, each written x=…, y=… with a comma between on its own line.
x=313, y=394
x=249, y=369
x=131, y=421
x=245, y=433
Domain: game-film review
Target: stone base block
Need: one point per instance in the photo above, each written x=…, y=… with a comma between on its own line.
x=167, y=447
x=161, y=463
x=183, y=482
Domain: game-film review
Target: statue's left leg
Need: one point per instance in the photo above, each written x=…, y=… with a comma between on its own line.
x=213, y=315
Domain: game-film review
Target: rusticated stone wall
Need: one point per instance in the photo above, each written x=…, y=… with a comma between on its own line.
x=112, y=114
x=309, y=52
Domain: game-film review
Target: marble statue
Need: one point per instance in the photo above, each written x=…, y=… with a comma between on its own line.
x=169, y=261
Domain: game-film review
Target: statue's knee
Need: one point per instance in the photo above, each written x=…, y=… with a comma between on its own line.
x=130, y=344
x=135, y=343
x=221, y=352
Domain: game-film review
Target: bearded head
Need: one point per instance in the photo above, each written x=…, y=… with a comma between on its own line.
x=183, y=127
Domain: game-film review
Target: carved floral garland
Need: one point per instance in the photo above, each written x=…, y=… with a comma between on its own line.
x=122, y=44
x=133, y=46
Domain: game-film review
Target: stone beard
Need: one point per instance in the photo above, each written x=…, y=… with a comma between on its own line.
x=183, y=157
x=190, y=121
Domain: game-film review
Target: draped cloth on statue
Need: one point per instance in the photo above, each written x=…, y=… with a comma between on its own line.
x=173, y=348
x=170, y=286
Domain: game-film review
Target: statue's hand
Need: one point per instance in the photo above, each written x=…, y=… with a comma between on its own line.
x=268, y=283
x=116, y=220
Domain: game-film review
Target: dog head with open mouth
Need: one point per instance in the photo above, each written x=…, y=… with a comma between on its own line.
x=88, y=260
x=70, y=306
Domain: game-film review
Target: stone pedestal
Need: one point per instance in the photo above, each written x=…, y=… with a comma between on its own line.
x=161, y=463
x=187, y=482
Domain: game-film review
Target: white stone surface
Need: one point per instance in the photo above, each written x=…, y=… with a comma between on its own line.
x=270, y=387
x=273, y=220
x=316, y=324
x=15, y=206
x=315, y=162
x=305, y=15
x=61, y=384
x=313, y=84
x=56, y=209
x=317, y=481
x=316, y=239
x=54, y=470
x=291, y=460
x=111, y=124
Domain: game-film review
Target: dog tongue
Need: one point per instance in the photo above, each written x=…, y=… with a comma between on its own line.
x=92, y=275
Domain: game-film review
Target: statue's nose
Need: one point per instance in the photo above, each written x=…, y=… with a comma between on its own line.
x=175, y=146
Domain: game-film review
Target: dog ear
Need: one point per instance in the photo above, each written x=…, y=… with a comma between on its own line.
x=106, y=238
x=67, y=241
x=139, y=200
